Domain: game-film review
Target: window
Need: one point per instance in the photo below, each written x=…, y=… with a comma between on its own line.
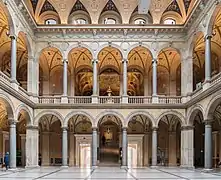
x=139, y=21
x=50, y=21
x=80, y=21
x=109, y=21
x=169, y=21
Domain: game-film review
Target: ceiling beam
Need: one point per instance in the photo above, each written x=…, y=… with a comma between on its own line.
x=143, y=6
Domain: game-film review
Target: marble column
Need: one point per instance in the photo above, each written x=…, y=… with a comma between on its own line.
x=94, y=147
x=208, y=145
x=154, y=147
x=125, y=77
x=172, y=149
x=154, y=64
x=187, y=148
x=71, y=149
x=95, y=77
x=32, y=150
x=33, y=73
x=208, y=56
x=12, y=139
x=13, y=58
x=45, y=149
x=65, y=77
x=64, y=147
x=23, y=149
x=146, y=140
x=124, y=147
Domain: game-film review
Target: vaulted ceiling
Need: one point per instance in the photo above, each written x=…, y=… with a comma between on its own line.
x=179, y=9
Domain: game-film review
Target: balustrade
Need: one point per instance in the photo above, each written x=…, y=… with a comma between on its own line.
x=80, y=100
x=49, y=100
x=216, y=79
x=140, y=100
x=170, y=100
x=109, y=99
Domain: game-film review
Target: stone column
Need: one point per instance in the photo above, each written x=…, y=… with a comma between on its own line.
x=12, y=139
x=124, y=95
x=187, y=76
x=95, y=77
x=187, y=148
x=124, y=147
x=208, y=145
x=33, y=69
x=94, y=147
x=208, y=58
x=154, y=147
x=64, y=147
x=32, y=136
x=146, y=148
x=71, y=149
x=172, y=149
x=45, y=149
x=154, y=64
x=13, y=58
x=23, y=149
x=65, y=77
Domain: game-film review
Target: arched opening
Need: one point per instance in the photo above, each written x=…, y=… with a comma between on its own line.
x=80, y=139
x=50, y=141
x=110, y=145
x=81, y=72
x=110, y=70
x=199, y=131
x=23, y=122
x=50, y=72
x=139, y=141
x=169, y=141
x=139, y=72
x=169, y=72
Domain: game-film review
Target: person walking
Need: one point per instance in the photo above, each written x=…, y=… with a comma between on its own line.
x=6, y=160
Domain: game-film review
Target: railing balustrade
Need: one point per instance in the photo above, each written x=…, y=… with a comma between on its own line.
x=80, y=100
x=109, y=99
x=216, y=79
x=49, y=100
x=139, y=99
x=170, y=100
x=5, y=78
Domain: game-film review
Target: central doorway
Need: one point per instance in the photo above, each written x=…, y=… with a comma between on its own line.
x=109, y=153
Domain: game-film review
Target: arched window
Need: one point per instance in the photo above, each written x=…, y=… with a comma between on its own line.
x=50, y=21
x=80, y=21
x=139, y=21
x=169, y=21
x=109, y=21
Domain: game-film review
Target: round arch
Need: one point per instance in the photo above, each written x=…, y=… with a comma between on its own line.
x=193, y=112
x=29, y=114
x=73, y=113
x=144, y=45
x=171, y=112
x=213, y=103
x=166, y=46
x=27, y=41
x=135, y=113
x=9, y=105
x=110, y=112
x=192, y=42
x=119, y=48
x=72, y=47
x=48, y=112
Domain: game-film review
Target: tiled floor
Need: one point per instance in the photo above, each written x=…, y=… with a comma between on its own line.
x=107, y=173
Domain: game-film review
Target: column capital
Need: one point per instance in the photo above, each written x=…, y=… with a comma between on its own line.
x=30, y=127
x=208, y=36
x=65, y=60
x=12, y=122
x=154, y=128
x=124, y=128
x=12, y=36
x=64, y=128
x=95, y=61
x=94, y=128
x=154, y=60
x=124, y=60
x=186, y=128
x=208, y=121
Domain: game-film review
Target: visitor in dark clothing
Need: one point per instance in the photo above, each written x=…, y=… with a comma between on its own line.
x=6, y=160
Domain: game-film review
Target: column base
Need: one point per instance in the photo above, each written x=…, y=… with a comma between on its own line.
x=187, y=167
x=15, y=84
x=65, y=167
x=124, y=99
x=206, y=85
x=153, y=167
x=94, y=99
x=32, y=167
x=94, y=167
x=13, y=169
x=64, y=99
x=155, y=99
x=207, y=170
x=124, y=167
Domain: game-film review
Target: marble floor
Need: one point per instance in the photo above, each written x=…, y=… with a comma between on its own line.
x=107, y=173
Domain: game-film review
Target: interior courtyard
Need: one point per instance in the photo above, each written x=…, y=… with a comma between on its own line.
x=110, y=89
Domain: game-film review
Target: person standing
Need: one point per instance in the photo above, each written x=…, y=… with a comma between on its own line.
x=6, y=160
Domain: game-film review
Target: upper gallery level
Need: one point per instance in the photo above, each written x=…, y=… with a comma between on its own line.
x=109, y=66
